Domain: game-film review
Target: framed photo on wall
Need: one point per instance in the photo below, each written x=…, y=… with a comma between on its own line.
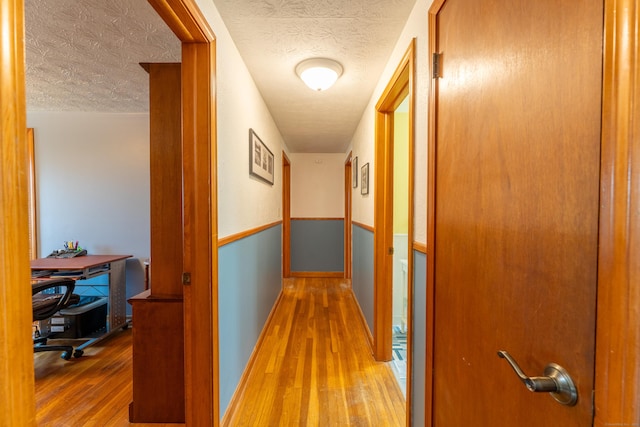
x=261, y=161
x=354, y=172
x=364, y=179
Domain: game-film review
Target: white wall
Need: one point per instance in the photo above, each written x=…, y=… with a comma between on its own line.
x=363, y=140
x=243, y=201
x=92, y=177
x=317, y=185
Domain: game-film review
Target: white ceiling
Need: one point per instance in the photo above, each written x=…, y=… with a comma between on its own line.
x=83, y=56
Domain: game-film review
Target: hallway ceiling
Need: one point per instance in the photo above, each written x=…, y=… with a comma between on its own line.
x=83, y=56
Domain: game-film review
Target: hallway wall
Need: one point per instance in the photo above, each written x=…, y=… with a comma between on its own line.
x=250, y=269
x=362, y=146
x=250, y=281
x=317, y=212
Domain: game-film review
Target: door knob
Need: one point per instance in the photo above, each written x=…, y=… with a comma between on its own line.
x=556, y=380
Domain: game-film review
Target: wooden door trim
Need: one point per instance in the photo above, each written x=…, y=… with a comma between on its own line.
x=617, y=355
x=286, y=216
x=617, y=396
x=200, y=209
x=431, y=190
x=16, y=353
x=347, y=215
x=400, y=85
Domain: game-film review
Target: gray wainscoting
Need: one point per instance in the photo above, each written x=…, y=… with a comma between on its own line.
x=419, y=334
x=249, y=282
x=362, y=271
x=317, y=245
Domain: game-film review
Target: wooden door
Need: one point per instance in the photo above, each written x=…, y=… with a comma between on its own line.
x=515, y=220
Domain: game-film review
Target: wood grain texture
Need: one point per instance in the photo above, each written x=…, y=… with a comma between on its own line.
x=324, y=274
x=420, y=247
x=318, y=219
x=200, y=206
x=348, y=189
x=165, y=167
x=400, y=86
x=200, y=232
x=617, y=397
x=363, y=226
x=94, y=390
x=16, y=363
x=33, y=212
x=286, y=215
x=314, y=366
x=516, y=227
x=239, y=236
x=158, y=360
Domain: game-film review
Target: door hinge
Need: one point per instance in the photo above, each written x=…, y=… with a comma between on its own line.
x=186, y=278
x=391, y=251
x=435, y=65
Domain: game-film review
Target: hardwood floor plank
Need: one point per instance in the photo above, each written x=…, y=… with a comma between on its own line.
x=314, y=368
x=94, y=390
x=324, y=373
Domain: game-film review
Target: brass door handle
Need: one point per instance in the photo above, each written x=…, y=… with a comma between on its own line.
x=556, y=380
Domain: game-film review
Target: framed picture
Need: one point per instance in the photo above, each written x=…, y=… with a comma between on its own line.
x=261, y=163
x=354, y=172
x=364, y=179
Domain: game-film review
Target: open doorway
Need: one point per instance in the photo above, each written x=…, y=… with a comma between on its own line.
x=401, y=243
x=393, y=235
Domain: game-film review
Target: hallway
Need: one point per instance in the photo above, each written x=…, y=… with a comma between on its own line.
x=315, y=366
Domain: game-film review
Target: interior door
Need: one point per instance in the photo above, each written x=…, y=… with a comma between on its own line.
x=517, y=148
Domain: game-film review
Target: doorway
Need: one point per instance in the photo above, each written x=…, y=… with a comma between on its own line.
x=401, y=244
x=348, y=185
x=286, y=216
x=399, y=89
x=200, y=205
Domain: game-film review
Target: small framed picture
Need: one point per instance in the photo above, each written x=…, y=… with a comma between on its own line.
x=364, y=179
x=354, y=172
x=261, y=161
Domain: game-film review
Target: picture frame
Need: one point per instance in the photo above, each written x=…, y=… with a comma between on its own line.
x=364, y=179
x=261, y=160
x=354, y=172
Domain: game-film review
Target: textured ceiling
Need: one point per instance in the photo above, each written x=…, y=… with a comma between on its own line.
x=84, y=55
x=273, y=36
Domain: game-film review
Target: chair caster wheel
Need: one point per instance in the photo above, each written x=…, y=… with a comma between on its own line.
x=66, y=355
x=78, y=353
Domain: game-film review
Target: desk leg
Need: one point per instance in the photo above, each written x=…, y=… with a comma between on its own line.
x=117, y=311
x=116, y=308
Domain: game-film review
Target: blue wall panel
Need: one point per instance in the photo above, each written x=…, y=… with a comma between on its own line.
x=362, y=273
x=249, y=282
x=419, y=334
x=317, y=245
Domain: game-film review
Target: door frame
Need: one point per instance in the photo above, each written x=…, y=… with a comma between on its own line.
x=286, y=216
x=617, y=355
x=400, y=86
x=348, y=180
x=200, y=208
x=200, y=213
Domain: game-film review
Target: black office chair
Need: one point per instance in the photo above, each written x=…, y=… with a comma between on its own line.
x=46, y=304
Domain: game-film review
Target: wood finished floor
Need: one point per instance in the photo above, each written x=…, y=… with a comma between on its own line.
x=94, y=390
x=315, y=366
x=313, y=369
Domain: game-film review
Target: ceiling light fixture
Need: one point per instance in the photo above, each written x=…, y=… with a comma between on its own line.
x=319, y=73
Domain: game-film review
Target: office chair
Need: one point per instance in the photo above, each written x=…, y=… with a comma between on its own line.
x=45, y=305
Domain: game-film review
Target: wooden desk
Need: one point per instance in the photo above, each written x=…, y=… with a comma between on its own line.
x=89, y=266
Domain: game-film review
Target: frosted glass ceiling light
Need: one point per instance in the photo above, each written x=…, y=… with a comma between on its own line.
x=319, y=73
